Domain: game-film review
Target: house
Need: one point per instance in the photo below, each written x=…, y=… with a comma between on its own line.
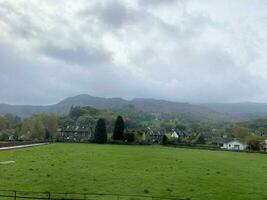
x=180, y=134
x=174, y=135
x=76, y=133
x=235, y=144
x=12, y=138
x=154, y=136
x=264, y=146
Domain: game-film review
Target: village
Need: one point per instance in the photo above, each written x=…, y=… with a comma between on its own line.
x=176, y=137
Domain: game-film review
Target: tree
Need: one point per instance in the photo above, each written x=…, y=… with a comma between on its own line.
x=86, y=121
x=76, y=112
x=50, y=123
x=240, y=132
x=3, y=123
x=180, y=127
x=100, y=135
x=129, y=137
x=118, y=133
x=164, y=140
x=47, y=136
x=38, y=129
x=12, y=119
x=254, y=142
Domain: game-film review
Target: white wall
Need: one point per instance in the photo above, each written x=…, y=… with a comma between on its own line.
x=234, y=145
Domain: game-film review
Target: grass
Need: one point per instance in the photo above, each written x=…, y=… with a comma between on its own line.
x=149, y=170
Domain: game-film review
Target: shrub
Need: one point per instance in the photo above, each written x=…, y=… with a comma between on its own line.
x=164, y=140
x=129, y=137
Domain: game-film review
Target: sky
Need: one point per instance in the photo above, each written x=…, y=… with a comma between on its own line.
x=180, y=50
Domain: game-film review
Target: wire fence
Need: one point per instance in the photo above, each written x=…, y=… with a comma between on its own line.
x=18, y=195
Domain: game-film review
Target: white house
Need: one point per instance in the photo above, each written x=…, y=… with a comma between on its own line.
x=174, y=135
x=265, y=145
x=234, y=145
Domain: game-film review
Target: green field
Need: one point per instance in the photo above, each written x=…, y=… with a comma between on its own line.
x=150, y=170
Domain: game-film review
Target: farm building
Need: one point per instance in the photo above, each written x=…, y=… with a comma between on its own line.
x=76, y=133
x=234, y=145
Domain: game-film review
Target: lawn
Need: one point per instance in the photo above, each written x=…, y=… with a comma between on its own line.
x=149, y=170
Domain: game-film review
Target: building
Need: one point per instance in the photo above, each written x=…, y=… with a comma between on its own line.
x=234, y=145
x=264, y=146
x=180, y=134
x=175, y=135
x=154, y=136
x=76, y=133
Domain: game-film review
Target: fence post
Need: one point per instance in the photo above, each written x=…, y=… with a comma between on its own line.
x=15, y=195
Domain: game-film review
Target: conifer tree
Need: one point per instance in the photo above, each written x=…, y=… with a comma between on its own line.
x=118, y=133
x=100, y=132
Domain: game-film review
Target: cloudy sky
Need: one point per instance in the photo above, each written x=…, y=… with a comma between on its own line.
x=182, y=50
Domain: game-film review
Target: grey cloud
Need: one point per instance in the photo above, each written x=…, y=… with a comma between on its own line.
x=113, y=13
x=116, y=49
x=156, y=2
x=78, y=55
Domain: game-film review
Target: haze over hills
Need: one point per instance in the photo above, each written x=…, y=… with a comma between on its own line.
x=236, y=111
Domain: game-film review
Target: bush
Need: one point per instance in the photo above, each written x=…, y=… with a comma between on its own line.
x=164, y=140
x=129, y=137
x=3, y=137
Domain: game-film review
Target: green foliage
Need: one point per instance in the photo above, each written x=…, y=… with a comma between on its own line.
x=240, y=132
x=12, y=120
x=254, y=142
x=129, y=137
x=76, y=112
x=164, y=140
x=37, y=127
x=86, y=120
x=258, y=126
x=3, y=136
x=100, y=135
x=118, y=133
x=3, y=123
x=199, y=139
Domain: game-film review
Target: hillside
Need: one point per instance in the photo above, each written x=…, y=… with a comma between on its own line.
x=236, y=111
x=239, y=111
x=149, y=105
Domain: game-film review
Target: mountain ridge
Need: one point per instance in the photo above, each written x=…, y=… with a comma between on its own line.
x=233, y=111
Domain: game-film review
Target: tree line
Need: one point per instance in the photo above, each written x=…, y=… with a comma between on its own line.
x=100, y=134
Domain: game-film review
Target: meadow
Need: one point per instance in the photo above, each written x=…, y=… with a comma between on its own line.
x=150, y=170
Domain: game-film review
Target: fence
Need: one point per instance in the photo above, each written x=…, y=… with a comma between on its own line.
x=18, y=195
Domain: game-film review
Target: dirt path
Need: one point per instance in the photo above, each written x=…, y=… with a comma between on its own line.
x=22, y=146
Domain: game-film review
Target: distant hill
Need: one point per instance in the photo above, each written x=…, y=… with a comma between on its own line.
x=236, y=111
x=239, y=111
x=149, y=105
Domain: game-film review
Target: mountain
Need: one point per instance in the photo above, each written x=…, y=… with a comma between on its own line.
x=239, y=111
x=234, y=111
x=149, y=105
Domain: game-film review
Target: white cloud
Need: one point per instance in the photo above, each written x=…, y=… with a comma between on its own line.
x=179, y=50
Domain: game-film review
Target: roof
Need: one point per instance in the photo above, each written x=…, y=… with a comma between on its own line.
x=235, y=140
x=74, y=129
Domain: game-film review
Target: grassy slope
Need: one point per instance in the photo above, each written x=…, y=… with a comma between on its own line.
x=195, y=174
